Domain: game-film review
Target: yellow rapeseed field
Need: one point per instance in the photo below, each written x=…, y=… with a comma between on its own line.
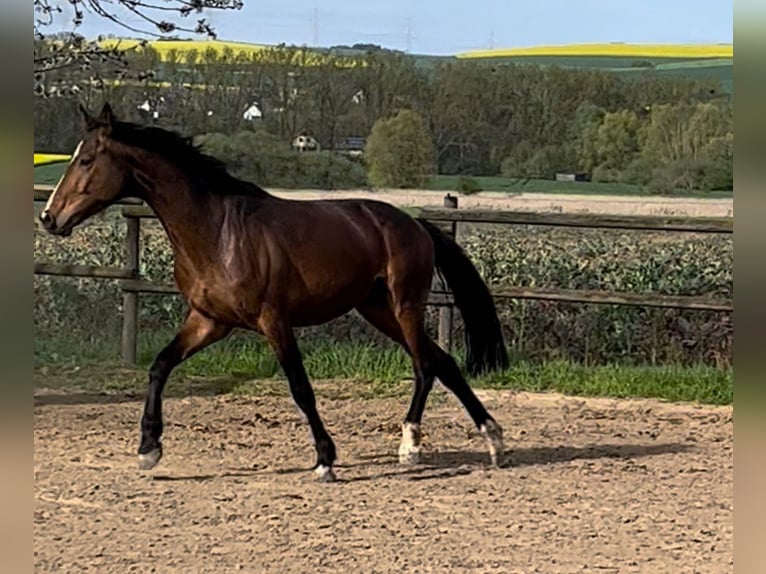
x=165, y=48
x=46, y=158
x=614, y=49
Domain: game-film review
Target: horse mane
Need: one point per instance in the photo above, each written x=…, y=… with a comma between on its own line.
x=207, y=173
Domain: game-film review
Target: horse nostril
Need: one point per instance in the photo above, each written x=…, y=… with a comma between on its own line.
x=46, y=219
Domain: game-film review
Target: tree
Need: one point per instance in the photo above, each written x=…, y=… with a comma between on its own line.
x=691, y=145
x=616, y=142
x=71, y=51
x=583, y=132
x=400, y=151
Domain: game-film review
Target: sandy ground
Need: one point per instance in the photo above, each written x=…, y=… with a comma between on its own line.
x=539, y=202
x=588, y=486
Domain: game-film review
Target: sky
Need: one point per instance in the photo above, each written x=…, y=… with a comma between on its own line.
x=451, y=26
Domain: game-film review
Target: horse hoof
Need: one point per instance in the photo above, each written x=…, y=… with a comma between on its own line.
x=325, y=473
x=150, y=459
x=493, y=434
x=410, y=456
x=410, y=449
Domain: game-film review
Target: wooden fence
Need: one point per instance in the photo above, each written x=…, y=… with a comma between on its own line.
x=132, y=284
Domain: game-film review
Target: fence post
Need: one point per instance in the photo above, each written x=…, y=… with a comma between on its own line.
x=446, y=313
x=130, y=298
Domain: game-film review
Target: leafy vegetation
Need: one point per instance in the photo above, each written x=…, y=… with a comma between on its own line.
x=485, y=125
x=260, y=157
x=399, y=152
x=519, y=121
x=468, y=185
x=536, y=331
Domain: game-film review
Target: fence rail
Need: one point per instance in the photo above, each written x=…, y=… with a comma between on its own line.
x=132, y=284
x=586, y=220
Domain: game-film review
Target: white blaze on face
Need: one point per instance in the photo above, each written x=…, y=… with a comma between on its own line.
x=55, y=189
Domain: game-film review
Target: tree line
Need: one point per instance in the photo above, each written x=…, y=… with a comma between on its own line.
x=476, y=118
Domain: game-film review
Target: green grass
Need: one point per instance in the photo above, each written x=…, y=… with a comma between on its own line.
x=50, y=174
x=522, y=185
x=245, y=364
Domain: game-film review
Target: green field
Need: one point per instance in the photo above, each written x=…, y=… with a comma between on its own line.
x=630, y=61
x=49, y=174
x=522, y=185
x=720, y=69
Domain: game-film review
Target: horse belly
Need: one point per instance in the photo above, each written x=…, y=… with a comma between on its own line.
x=324, y=305
x=231, y=306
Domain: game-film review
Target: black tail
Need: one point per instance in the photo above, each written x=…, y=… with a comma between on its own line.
x=483, y=335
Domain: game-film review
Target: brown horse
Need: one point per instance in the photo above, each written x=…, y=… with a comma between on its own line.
x=247, y=259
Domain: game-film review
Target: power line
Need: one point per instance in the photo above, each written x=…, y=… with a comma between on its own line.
x=315, y=27
x=409, y=34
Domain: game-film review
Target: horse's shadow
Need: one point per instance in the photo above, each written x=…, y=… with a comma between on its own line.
x=447, y=464
x=542, y=455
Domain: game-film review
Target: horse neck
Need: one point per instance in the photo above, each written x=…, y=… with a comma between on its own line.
x=191, y=220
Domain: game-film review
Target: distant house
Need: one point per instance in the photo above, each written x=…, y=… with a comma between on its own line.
x=304, y=142
x=252, y=113
x=151, y=107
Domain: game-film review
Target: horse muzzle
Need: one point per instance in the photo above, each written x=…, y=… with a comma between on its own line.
x=49, y=224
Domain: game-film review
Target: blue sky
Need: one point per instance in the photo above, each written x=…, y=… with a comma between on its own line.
x=450, y=26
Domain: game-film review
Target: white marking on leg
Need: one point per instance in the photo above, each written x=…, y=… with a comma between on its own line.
x=409, y=448
x=325, y=473
x=55, y=189
x=493, y=434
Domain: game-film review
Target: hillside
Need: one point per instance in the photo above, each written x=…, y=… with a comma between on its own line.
x=697, y=61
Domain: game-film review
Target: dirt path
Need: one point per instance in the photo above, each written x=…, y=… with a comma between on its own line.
x=539, y=202
x=592, y=486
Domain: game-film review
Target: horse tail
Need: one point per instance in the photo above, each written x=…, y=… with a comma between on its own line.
x=483, y=335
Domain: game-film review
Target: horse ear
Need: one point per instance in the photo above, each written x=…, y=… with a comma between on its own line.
x=106, y=117
x=89, y=122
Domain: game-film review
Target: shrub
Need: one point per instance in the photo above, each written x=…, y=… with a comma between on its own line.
x=400, y=152
x=467, y=185
x=266, y=160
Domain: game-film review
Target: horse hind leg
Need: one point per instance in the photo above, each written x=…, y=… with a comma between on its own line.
x=377, y=311
x=429, y=361
x=449, y=374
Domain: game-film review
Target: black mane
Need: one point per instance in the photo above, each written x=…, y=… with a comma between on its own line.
x=207, y=173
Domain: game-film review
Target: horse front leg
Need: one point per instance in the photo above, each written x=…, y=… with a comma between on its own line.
x=282, y=340
x=197, y=332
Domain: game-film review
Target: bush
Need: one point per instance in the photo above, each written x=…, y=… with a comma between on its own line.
x=515, y=165
x=639, y=171
x=467, y=185
x=400, y=152
x=266, y=160
x=544, y=163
